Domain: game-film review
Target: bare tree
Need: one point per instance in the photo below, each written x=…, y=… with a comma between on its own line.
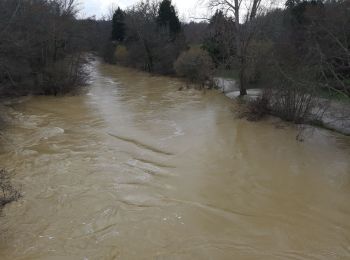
x=333, y=46
x=41, y=46
x=142, y=28
x=150, y=47
x=244, y=13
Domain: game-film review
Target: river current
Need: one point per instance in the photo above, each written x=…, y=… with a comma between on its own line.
x=133, y=168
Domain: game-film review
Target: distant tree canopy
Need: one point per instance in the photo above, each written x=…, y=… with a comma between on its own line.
x=167, y=17
x=294, y=3
x=118, y=25
x=303, y=12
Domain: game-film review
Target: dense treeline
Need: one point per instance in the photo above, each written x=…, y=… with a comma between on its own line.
x=304, y=45
x=296, y=54
x=41, y=47
x=310, y=41
x=147, y=36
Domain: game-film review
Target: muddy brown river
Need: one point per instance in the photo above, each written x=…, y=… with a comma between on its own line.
x=132, y=168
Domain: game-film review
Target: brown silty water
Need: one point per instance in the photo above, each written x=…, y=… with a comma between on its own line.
x=135, y=169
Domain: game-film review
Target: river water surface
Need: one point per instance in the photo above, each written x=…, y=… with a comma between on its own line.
x=135, y=169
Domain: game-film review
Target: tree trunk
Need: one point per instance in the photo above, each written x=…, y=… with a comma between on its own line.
x=242, y=78
x=149, y=57
x=242, y=68
x=240, y=54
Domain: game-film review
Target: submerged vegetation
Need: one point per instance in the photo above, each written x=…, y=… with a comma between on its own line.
x=8, y=193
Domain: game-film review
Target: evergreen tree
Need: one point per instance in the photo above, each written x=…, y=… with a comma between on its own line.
x=220, y=38
x=118, y=25
x=167, y=17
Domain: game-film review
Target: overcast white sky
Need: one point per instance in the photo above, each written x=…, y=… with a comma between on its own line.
x=186, y=8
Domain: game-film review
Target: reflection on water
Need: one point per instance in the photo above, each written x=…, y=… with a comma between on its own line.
x=134, y=169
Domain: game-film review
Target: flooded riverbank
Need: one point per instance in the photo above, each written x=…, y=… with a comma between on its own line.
x=135, y=169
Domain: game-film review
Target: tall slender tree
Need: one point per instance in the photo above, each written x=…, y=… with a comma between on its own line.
x=118, y=25
x=167, y=17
